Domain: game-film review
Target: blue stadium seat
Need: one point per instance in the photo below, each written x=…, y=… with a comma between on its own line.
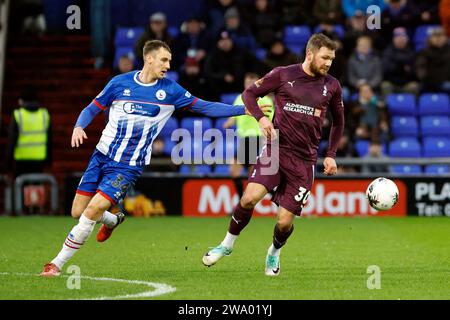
x=295, y=48
x=362, y=147
x=435, y=126
x=405, y=147
x=436, y=147
x=172, y=75
x=421, y=35
x=338, y=28
x=297, y=34
x=401, y=104
x=222, y=169
x=202, y=123
x=168, y=146
x=127, y=37
x=123, y=51
x=168, y=128
x=173, y=31
x=437, y=169
x=261, y=53
x=402, y=126
x=434, y=104
x=406, y=169
x=229, y=98
x=199, y=168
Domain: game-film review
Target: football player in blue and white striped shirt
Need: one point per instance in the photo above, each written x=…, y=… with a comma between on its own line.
x=139, y=103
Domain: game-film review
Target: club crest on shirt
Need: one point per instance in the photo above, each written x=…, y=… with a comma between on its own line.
x=325, y=90
x=259, y=82
x=160, y=94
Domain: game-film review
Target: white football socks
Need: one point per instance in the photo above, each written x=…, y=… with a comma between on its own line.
x=108, y=219
x=274, y=251
x=76, y=238
x=229, y=240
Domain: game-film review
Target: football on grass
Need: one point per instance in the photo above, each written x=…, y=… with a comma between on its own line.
x=382, y=194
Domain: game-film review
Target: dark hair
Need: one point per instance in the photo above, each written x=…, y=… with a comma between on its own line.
x=319, y=40
x=154, y=45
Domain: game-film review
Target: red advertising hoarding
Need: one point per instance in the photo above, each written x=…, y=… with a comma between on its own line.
x=217, y=197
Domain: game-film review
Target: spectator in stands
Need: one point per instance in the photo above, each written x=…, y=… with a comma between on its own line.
x=398, y=65
x=226, y=65
x=241, y=35
x=297, y=12
x=328, y=11
x=264, y=22
x=364, y=67
x=369, y=114
x=444, y=13
x=191, y=78
x=28, y=16
x=216, y=12
x=397, y=13
x=426, y=12
x=30, y=138
x=279, y=55
x=192, y=42
x=345, y=149
x=356, y=29
x=339, y=67
x=350, y=7
x=124, y=65
x=375, y=152
x=157, y=30
x=433, y=63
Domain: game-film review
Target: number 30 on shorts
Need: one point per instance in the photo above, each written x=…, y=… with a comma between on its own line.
x=302, y=195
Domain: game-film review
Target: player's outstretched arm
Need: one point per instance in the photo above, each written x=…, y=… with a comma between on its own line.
x=78, y=135
x=84, y=119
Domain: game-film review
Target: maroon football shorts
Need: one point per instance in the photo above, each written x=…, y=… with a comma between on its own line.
x=290, y=182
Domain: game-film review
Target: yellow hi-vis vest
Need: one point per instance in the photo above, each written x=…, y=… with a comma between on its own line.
x=32, y=140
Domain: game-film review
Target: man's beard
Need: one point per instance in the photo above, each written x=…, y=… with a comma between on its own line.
x=316, y=70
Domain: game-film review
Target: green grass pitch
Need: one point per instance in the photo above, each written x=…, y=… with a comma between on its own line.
x=325, y=258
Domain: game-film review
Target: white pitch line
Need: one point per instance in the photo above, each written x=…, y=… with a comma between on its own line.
x=159, y=288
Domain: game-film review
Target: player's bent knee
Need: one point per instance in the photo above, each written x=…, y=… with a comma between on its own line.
x=284, y=225
x=93, y=212
x=76, y=213
x=249, y=201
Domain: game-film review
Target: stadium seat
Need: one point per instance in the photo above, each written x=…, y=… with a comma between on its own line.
x=295, y=48
x=168, y=128
x=362, y=147
x=297, y=34
x=405, y=147
x=406, y=169
x=402, y=126
x=168, y=146
x=185, y=168
x=261, y=53
x=173, y=31
x=200, y=168
x=436, y=147
x=123, y=51
x=338, y=29
x=222, y=169
x=421, y=35
x=401, y=104
x=203, y=168
x=127, y=37
x=437, y=169
x=201, y=123
x=434, y=104
x=435, y=126
x=229, y=98
x=172, y=75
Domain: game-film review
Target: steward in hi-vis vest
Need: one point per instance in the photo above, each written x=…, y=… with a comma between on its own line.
x=30, y=135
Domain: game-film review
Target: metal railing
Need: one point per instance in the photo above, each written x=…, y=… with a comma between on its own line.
x=34, y=178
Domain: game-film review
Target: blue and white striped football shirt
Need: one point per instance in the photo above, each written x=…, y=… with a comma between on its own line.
x=137, y=113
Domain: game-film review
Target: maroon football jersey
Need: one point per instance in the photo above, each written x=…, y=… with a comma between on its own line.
x=301, y=104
